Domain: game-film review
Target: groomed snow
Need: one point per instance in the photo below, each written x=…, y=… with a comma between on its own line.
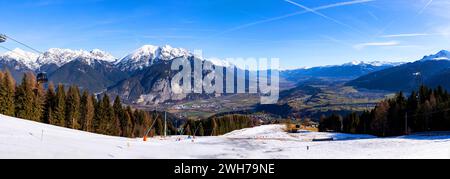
x=26, y=139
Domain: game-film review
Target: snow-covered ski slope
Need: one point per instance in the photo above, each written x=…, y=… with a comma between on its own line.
x=26, y=139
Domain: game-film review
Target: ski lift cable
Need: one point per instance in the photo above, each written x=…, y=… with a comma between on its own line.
x=21, y=43
x=151, y=127
x=12, y=51
x=41, y=77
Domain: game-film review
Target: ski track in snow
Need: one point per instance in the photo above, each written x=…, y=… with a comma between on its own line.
x=27, y=139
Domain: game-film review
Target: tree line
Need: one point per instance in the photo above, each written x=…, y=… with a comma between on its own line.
x=218, y=125
x=422, y=111
x=74, y=109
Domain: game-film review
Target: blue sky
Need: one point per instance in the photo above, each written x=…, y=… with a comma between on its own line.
x=299, y=32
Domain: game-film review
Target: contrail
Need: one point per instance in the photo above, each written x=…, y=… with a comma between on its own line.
x=261, y=22
x=376, y=44
x=347, y=3
x=318, y=13
x=342, y=4
x=406, y=35
x=418, y=14
x=425, y=7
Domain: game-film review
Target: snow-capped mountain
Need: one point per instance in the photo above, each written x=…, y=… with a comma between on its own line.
x=373, y=63
x=148, y=55
x=442, y=55
x=60, y=57
x=55, y=56
x=18, y=62
x=92, y=70
x=149, y=69
x=432, y=70
x=26, y=58
x=145, y=56
x=93, y=75
x=149, y=82
x=350, y=70
x=102, y=55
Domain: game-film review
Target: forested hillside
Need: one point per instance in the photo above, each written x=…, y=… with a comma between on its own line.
x=72, y=108
x=424, y=110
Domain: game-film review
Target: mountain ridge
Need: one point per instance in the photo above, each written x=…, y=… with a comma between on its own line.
x=143, y=75
x=431, y=70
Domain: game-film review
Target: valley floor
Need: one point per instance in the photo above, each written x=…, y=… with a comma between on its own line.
x=26, y=139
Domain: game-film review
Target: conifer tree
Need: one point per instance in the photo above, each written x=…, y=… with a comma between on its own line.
x=86, y=112
x=132, y=119
x=187, y=130
x=59, y=113
x=124, y=116
x=201, y=130
x=138, y=121
x=214, y=127
x=99, y=116
x=380, y=119
x=118, y=108
x=142, y=122
x=38, y=100
x=127, y=131
x=109, y=123
x=73, y=108
x=49, y=105
x=24, y=98
x=7, y=87
x=98, y=112
x=119, y=114
x=3, y=93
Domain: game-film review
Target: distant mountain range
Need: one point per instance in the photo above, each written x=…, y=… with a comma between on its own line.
x=93, y=70
x=347, y=71
x=142, y=77
x=150, y=74
x=18, y=62
x=432, y=70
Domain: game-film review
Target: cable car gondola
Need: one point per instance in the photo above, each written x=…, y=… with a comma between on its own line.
x=2, y=38
x=42, y=77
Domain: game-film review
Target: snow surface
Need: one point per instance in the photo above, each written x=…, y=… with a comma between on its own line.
x=27, y=139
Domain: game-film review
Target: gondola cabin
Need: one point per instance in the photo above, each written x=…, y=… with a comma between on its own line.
x=2, y=38
x=42, y=78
